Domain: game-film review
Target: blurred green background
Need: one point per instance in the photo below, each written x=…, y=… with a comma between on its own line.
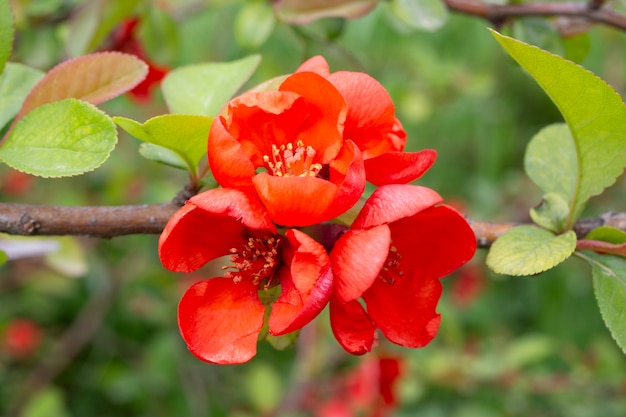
x=102, y=338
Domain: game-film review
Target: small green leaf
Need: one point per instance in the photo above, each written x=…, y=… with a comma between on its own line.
x=607, y=234
x=184, y=134
x=609, y=284
x=594, y=112
x=205, y=88
x=551, y=161
x=92, y=78
x=162, y=155
x=529, y=250
x=302, y=12
x=7, y=29
x=3, y=257
x=551, y=213
x=15, y=83
x=427, y=15
x=64, y=138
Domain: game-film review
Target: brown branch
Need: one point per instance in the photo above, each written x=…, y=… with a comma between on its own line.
x=497, y=14
x=111, y=221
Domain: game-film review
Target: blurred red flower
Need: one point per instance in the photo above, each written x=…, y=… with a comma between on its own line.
x=368, y=390
x=124, y=39
x=221, y=318
x=21, y=337
x=392, y=257
x=371, y=123
x=287, y=147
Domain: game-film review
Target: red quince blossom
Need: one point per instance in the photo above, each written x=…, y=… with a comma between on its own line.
x=371, y=124
x=221, y=318
x=397, y=248
x=21, y=338
x=367, y=390
x=287, y=147
x=124, y=39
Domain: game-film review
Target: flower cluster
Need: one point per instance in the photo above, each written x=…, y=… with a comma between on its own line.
x=289, y=162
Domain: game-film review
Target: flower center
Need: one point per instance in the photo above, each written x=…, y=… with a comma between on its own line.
x=257, y=260
x=289, y=160
x=391, y=270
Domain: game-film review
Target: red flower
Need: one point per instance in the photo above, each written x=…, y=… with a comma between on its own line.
x=396, y=250
x=125, y=40
x=21, y=338
x=372, y=125
x=287, y=147
x=220, y=318
x=367, y=390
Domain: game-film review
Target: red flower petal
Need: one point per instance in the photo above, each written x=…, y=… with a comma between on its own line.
x=316, y=64
x=230, y=164
x=221, y=320
x=399, y=167
x=357, y=259
x=306, y=283
x=389, y=203
x=295, y=201
x=352, y=327
x=370, y=112
x=325, y=135
x=406, y=311
x=434, y=242
x=348, y=173
x=208, y=226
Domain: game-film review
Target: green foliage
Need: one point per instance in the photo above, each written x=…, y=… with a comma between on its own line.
x=163, y=156
x=93, y=22
x=186, y=135
x=47, y=403
x=421, y=14
x=607, y=234
x=16, y=81
x=594, y=112
x=59, y=139
x=254, y=24
x=529, y=250
x=6, y=32
x=609, y=284
x=551, y=213
x=306, y=11
x=204, y=88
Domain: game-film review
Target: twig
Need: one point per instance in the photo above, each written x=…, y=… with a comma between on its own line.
x=111, y=221
x=496, y=13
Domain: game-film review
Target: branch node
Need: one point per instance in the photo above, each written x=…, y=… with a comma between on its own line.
x=28, y=224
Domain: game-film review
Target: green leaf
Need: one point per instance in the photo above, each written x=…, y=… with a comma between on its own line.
x=551, y=213
x=529, y=250
x=7, y=30
x=607, y=234
x=59, y=139
x=3, y=257
x=158, y=34
x=540, y=32
x=254, y=24
x=94, y=21
x=594, y=112
x=162, y=155
x=551, y=161
x=47, y=403
x=609, y=285
x=15, y=83
x=302, y=12
x=184, y=134
x=205, y=88
x=92, y=78
x=427, y=15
